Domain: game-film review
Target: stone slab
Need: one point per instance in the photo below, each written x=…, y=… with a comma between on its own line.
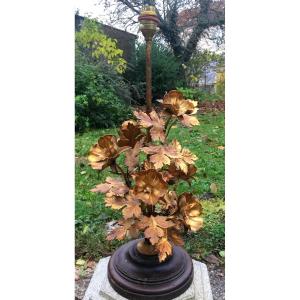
x=100, y=288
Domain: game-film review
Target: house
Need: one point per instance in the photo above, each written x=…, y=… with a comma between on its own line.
x=212, y=76
x=125, y=40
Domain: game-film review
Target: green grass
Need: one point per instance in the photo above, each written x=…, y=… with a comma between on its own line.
x=92, y=215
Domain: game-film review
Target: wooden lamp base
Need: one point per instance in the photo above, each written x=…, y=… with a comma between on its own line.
x=136, y=276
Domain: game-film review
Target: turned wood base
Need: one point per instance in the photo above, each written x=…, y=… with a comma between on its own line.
x=136, y=276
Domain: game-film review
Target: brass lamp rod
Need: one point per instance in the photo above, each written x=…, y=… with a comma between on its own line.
x=148, y=26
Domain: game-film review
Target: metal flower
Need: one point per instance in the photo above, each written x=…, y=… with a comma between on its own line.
x=191, y=209
x=104, y=153
x=175, y=105
x=141, y=194
x=130, y=134
x=173, y=174
x=149, y=186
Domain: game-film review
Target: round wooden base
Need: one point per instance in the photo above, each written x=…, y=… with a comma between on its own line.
x=136, y=276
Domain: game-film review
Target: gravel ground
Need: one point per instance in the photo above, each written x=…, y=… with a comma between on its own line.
x=217, y=281
x=216, y=275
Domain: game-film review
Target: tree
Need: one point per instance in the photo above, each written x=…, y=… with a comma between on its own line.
x=197, y=17
x=96, y=45
x=200, y=63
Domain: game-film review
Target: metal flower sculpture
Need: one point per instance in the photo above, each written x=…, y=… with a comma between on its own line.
x=145, y=188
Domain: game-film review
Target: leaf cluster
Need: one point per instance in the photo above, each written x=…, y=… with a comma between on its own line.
x=144, y=188
x=96, y=45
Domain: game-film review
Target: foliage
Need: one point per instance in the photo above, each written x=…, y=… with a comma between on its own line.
x=92, y=215
x=205, y=15
x=166, y=70
x=220, y=85
x=82, y=120
x=200, y=63
x=97, y=104
x=91, y=40
x=200, y=95
x=101, y=94
x=145, y=192
x=191, y=93
x=211, y=239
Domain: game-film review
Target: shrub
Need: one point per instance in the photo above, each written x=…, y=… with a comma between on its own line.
x=166, y=70
x=82, y=120
x=220, y=85
x=102, y=97
x=96, y=45
x=200, y=95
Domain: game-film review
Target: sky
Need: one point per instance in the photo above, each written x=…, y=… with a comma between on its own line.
x=90, y=7
x=96, y=10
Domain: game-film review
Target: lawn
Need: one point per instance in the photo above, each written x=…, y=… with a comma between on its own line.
x=205, y=140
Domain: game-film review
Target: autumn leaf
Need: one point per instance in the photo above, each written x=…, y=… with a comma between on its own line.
x=164, y=249
x=115, y=202
x=132, y=156
x=125, y=227
x=158, y=157
x=118, y=233
x=184, y=158
x=221, y=147
x=154, y=227
x=144, y=119
x=132, y=208
x=176, y=174
x=154, y=122
x=165, y=154
x=113, y=186
x=189, y=121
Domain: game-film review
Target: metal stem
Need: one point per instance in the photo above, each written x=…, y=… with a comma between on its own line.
x=148, y=75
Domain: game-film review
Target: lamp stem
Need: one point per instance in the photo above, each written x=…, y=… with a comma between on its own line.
x=148, y=75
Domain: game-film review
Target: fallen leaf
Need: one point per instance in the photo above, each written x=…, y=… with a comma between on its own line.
x=221, y=147
x=212, y=259
x=80, y=262
x=91, y=264
x=213, y=188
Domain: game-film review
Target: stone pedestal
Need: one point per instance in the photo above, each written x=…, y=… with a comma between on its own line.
x=100, y=289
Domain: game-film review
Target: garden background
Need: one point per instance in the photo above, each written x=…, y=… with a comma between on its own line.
x=108, y=87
